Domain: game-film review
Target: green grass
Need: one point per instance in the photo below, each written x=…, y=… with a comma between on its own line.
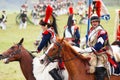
x=12, y=35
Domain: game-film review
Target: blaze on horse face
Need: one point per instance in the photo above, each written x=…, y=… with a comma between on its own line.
x=53, y=52
x=13, y=53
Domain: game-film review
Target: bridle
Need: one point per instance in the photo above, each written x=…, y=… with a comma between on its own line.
x=12, y=54
x=58, y=55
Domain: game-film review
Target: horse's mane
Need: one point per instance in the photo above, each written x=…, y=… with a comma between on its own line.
x=33, y=56
x=77, y=54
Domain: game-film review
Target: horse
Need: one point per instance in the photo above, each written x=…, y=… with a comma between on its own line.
x=116, y=43
x=30, y=65
x=76, y=64
x=19, y=53
x=116, y=50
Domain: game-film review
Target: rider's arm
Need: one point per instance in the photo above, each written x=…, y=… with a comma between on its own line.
x=99, y=44
x=77, y=34
x=44, y=41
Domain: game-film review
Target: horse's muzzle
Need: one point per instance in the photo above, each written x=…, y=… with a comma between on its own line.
x=1, y=57
x=6, y=61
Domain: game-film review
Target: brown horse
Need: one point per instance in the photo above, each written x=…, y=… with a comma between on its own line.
x=18, y=53
x=29, y=64
x=75, y=63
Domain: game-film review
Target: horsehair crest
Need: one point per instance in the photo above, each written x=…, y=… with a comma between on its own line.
x=21, y=41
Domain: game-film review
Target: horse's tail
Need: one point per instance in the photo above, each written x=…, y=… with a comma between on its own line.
x=116, y=43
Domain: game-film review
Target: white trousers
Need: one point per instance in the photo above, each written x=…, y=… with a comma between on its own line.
x=3, y=25
x=23, y=25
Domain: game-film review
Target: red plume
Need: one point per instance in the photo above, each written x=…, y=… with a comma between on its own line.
x=119, y=11
x=48, y=13
x=70, y=10
x=98, y=6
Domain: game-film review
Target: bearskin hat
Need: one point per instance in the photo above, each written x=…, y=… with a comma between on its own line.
x=48, y=14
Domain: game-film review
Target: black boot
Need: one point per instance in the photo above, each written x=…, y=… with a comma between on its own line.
x=55, y=74
x=100, y=73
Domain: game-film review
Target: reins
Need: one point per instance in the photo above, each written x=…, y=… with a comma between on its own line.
x=70, y=59
x=51, y=59
x=33, y=51
x=13, y=53
x=58, y=44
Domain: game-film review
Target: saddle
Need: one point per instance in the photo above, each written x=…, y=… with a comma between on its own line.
x=95, y=61
x=113, y=70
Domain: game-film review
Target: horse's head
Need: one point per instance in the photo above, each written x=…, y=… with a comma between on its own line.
x=13, y=53
x=54, y=51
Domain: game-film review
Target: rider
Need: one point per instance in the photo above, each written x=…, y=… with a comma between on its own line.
x=23, y=20
x=98, y=43
x=3, y=20
x=117, y=37
x=49, y=30
x=71, y=31
x=49, y=27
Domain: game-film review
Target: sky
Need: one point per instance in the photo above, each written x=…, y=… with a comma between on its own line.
x=12, y=5
x=15, y=5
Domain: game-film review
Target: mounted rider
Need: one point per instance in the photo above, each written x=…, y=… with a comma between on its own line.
x=49, y=33
x=49, y=30
x=71, y=30
x=98, y=45
x=3, y=20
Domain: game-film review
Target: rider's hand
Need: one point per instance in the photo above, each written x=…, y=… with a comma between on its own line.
x=38, y=51
x=36, y=43
x=86, y=50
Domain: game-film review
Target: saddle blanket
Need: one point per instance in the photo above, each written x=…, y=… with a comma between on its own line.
x=115, y=71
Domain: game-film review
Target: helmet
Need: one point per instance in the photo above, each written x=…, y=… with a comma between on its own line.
x=95, y=18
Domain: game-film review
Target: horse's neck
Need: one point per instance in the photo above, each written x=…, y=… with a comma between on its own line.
x=74, y=65
x=26, y=59
x=26, y=65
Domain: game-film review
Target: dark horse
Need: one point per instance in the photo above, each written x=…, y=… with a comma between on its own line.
x=75, y=63
x=18, y=53
x=116, y=43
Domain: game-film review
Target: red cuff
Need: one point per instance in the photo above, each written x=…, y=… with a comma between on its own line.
x=38, y=51
x=61, y=65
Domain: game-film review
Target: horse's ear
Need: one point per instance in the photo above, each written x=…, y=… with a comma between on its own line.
x=21, y=41
x=57, y=37
x=62, y=40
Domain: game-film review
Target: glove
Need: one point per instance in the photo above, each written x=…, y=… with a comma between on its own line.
x=36, y=43
x=86, y=50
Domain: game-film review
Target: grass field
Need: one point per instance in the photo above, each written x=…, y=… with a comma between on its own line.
x=12, y=35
